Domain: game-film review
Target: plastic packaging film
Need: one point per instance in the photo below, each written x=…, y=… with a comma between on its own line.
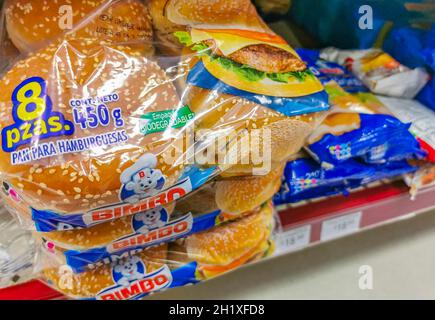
x=363, y=138
x=143, y=141
x=17, y=250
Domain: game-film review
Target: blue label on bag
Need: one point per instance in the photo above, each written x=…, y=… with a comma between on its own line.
x=305, y=179
x=200, y=77
x=389, y=170
x=192, y=179
x=375, y=133
x=181, y=227
x=133, y=282
x=397, y=148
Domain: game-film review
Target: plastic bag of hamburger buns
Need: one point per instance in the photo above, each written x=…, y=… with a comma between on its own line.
x=359, y=126
x=380, y=72
x=96, y=126
x=236, y=74
x=190, y=260
x=31, y=25
x=90, y=128
x=213, y=204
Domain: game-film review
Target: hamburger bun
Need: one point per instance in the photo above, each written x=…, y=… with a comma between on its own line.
x=91, y=283
x=238, y=195
x=78, y=181
x=164, y=29
x=227, y=246
x=169, y=16
x=233, y=197
x=218, y=114
x=212, y=14
x=32, y=24
x=99, y=235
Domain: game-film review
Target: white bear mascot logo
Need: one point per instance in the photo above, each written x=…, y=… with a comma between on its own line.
x=141, y=180
x=151, y=219
x=128, y=271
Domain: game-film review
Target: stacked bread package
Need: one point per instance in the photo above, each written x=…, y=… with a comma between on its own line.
x=142, y=141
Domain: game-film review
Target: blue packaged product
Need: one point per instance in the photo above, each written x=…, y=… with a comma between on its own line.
x=374, y=133
x=359, y=126
x=305, y=179
x=414, y=47
x=389, y=170
x=327, y=71
x=400, y=147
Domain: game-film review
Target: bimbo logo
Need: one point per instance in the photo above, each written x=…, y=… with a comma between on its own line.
x=155, y=281
x=127, y=209
x=173, y=230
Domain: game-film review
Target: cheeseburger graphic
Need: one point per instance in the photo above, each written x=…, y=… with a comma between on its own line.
x=235, y=45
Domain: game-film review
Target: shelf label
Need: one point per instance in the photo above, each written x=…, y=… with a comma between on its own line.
x=293, y=239
x=341, y=226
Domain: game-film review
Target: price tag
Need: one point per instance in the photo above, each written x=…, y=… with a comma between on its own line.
x=293, y=239
x=340, y=226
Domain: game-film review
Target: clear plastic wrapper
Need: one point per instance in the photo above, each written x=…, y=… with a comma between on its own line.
x=17, y=250
x=360, y=126
x=142, y=141
x=380, y=72
x=188, y=261
x=99, y=120
x=421, y=118
x=213, y=204
x=422, y=179
x=327, y=71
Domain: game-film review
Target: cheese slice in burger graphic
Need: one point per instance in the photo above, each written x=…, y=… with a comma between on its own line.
x=141, y=180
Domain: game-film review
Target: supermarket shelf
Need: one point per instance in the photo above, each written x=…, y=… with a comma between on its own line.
x=309, y=224
x=336, y=217
x=32, y=290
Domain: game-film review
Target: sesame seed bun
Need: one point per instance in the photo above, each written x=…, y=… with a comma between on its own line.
x=89, y=283
x=228, y=246
x=235, y=198
x=31, y=24
x=169, y=16
x=219, y=114
x=164, y=29
x=238, y=195
x=100, y=235
x=77, y=182
x=215, y=13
